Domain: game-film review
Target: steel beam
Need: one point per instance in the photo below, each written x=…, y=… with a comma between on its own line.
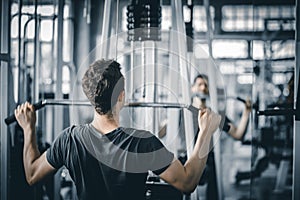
x=296, y=146
x=214, y=100
x=4, y=73
x=237, y=2
x=106, y=31
x=248, y=35
x=149, y=56
x=185, y=87
x=58, y=111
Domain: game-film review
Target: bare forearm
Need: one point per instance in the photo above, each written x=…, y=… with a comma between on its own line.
x=196, y=163
x=30, y=153
x=35, y=165
x=241, y=129
x=194, y=168
x=186, y=178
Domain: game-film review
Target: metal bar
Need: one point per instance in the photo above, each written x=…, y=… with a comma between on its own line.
x=66, y=102
x=256, y=35
x=296, y=146
x=35, y=86
x=111, y=39
x=143, y=73
x=25, y=42
x=149, y=72
x=209, y=25
x=116, y=31
x=185, y=87
x=4, y=104
x=59, y=65
x=173, y=116
x=143, y=83
x=37, y=106
x=131, y=69
x=58, y=112
x=105, y=29
x=4, y=136
x=214, y=101
x=238, y=2
x=158, y=105
x=20, y=78
x=52, y=46
x=39, y=15
x=256, y=60
x=277, y=112
x=131, y=80
x=182, y=51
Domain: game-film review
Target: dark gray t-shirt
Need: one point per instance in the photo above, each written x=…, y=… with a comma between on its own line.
x=109, y=166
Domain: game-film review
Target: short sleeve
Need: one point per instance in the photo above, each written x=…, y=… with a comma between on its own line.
x=162, y=157
x=56, y=153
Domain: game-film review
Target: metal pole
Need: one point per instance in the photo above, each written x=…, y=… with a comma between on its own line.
x=131, y=82
x=4, y=142
x=185, y=87
x=214, y=99
x=149, y=78
x=58, y=91
x=58, y=111
x=173, y=115
x=131, y=69
x=296, y=146
x=35, y=85
x=105, y=29
x=20, y=75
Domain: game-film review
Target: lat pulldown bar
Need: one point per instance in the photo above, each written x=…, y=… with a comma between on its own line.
x=43, y=103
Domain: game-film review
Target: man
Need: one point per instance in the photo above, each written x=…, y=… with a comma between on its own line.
x=201, y=92
x=200, y=95
x=107, y=161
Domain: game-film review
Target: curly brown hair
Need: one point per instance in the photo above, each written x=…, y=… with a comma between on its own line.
x=102, y=83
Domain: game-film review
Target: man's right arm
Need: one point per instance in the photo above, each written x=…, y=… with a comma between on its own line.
x=186, y=178
x=238, y=132
x=36, y=165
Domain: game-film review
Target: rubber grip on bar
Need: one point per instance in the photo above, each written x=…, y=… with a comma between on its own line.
x=12, y=118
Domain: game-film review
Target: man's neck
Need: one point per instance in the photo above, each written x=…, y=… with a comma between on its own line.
x=104, y=124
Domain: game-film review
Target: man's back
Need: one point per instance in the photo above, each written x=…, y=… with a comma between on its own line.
x=112, y=165
x=109, y=166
